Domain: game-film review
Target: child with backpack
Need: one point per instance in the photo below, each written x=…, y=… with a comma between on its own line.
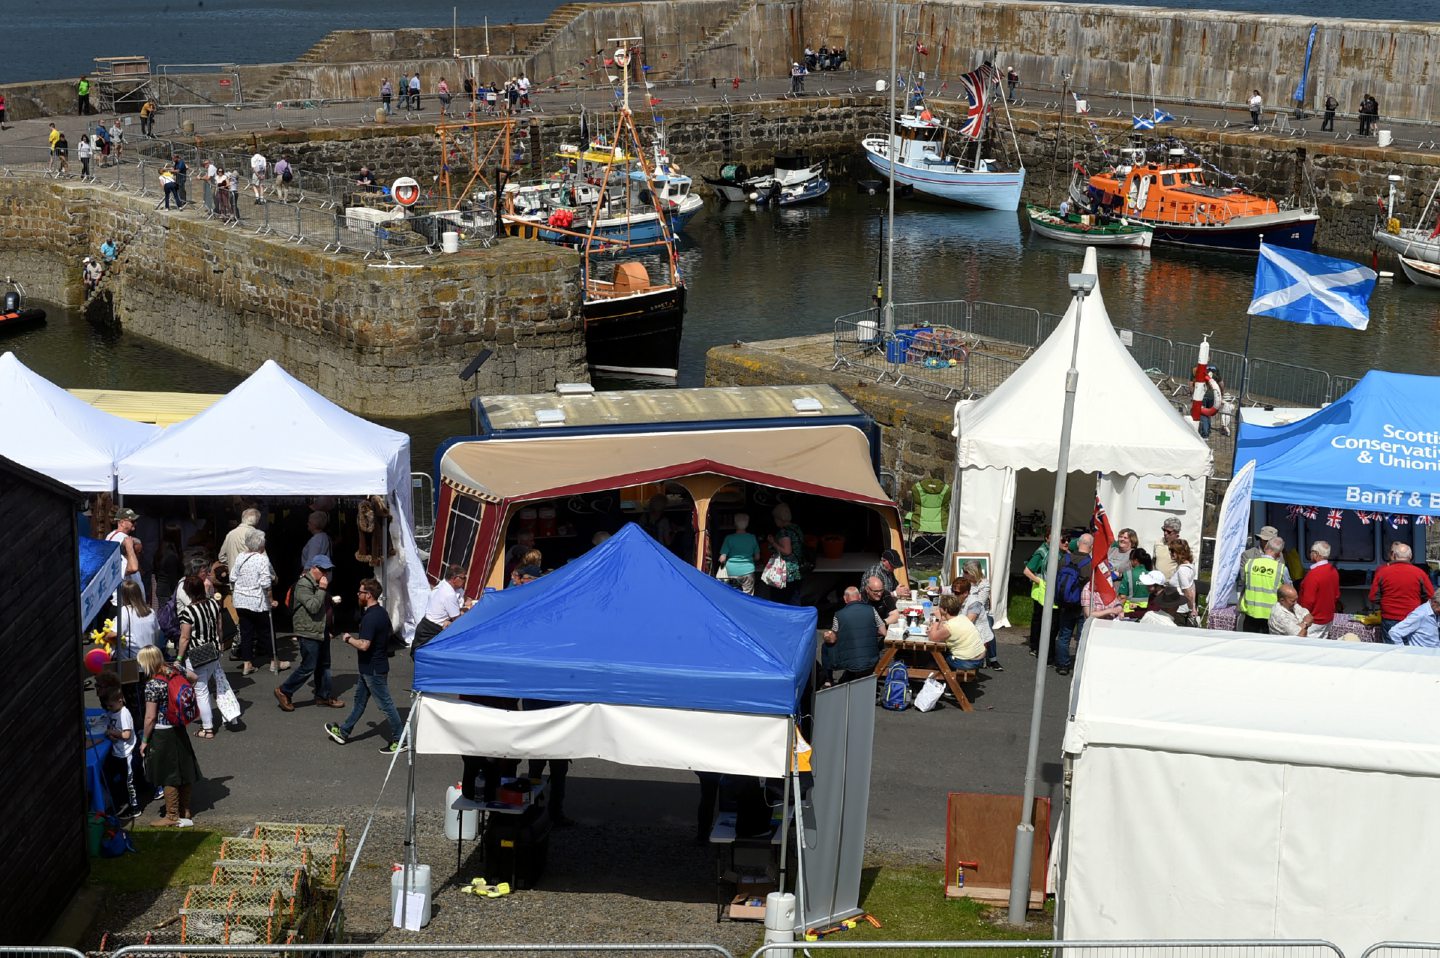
x=165, y=745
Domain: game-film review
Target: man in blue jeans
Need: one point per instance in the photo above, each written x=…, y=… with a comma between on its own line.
x=309, y=604
x=1070, y=580
x=373, y=666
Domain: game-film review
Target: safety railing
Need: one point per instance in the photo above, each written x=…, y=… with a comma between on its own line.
x=1140, y=948
x=37, y=951
x=311, y=951
x=1402, y=949
x=861, y=342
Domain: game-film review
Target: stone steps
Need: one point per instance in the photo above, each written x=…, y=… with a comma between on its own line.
x=713, y=37
x=563, y=16
x=277, y=81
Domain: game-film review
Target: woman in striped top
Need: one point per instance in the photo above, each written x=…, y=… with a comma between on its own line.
x=199, y=649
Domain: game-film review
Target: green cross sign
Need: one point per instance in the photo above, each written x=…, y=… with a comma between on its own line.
x=1163, y=497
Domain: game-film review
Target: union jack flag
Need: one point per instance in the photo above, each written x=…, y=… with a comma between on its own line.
x=1365, y=517
x=1310, y=512
x=1396, y=521
x=1424, y=520
x=1334, y=518
x=977, y=85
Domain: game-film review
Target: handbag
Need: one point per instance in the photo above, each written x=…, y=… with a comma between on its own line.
x=777, y=573
x=199, y=655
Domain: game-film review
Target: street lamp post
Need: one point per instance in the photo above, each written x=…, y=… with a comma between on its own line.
x=1081, y=284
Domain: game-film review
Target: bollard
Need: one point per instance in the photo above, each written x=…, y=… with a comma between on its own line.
x=187, y=127
x=380, y=115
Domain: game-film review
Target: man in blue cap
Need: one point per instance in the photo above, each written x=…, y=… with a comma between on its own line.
x=310, y=606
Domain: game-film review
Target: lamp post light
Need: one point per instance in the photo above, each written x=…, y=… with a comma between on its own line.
x=1394, y=179
x=1081, y=285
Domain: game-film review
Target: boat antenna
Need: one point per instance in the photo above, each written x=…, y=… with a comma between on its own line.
x=1009, y=121
x=1059, y=130
x=888, y=293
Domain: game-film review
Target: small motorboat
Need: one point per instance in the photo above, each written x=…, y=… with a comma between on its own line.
x=1086, y=230
x=730, y=184
x=14, y=314
x=793, y=180
x=1420, y=272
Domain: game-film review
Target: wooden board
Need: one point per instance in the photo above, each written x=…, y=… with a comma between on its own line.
x=981, y=828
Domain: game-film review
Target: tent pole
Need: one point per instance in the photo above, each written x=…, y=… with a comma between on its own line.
x=407, y=737
x=799, y=841
x=1080, y=284
x=785, y=805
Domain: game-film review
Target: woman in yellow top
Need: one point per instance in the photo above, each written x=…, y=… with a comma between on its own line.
x=966, y=649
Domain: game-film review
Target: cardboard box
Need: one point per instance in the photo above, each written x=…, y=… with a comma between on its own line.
x=749, y=901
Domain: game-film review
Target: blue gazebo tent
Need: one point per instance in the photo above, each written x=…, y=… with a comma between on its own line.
x=661, y=665
x=102, y=568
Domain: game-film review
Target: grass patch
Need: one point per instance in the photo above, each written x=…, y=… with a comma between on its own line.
x=910, y=903
x=1019, y=610
x=163, y=858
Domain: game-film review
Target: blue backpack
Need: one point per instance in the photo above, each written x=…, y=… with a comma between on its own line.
x=895, y=692
x=1070, y=581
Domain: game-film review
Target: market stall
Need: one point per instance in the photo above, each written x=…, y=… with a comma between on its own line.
x=274, y=436
x=60, y=436
x=655, y=663
x=1237, y=786
x=1151, y=464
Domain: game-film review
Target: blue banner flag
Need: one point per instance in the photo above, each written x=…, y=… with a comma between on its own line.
x=1308, y=288
x=1299, y=96
x=1161, y=116
x=1142, y=122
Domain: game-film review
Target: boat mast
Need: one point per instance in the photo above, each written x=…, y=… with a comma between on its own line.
x=1059, y=128
x=889, y=306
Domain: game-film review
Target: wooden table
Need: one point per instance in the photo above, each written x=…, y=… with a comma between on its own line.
x=936, y=651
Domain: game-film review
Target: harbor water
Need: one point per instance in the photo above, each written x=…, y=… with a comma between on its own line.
x=757, y=275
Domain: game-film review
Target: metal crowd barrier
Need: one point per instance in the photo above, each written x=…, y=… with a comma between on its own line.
x=313, y=951
x=1402, y=949
x=860, y=342
x=1139, y=948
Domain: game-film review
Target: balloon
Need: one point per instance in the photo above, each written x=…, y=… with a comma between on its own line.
x=96, y=660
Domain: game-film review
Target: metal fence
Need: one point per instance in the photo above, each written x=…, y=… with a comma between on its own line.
x=313, y=951
x=862, y=342
x=1141, y=948
x=1402, y=949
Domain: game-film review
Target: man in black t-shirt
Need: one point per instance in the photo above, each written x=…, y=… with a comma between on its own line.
x=373, y=666
x=881, y=600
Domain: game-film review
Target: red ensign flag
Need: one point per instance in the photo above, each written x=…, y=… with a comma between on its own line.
x=1103, y=577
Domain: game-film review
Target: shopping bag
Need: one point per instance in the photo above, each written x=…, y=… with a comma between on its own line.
x=929, y=694
x=777, y=573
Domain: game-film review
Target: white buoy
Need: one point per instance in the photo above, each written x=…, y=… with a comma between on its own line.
x=1384, y=138
x=779, y=917
x=450, y=241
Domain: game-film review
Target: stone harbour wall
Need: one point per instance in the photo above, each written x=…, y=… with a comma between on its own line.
x=380, y=341
x=915, y=429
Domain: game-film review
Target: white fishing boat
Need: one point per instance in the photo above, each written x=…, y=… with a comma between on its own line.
x=918, y=152
x=1416, y=245
x=1420, y=272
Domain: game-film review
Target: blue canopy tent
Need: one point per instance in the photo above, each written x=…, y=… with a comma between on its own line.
x=663, y=666
x=656, y=664
x=1356, y=469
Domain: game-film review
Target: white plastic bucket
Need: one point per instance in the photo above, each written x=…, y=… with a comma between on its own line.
x=779, y=917
x=459, y=825
x=419, y=885
x=450, y=241
x=1383, y=138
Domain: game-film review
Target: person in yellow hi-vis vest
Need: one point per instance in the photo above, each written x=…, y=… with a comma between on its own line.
x=1035, y=574
x=1260, y=580
x=82, y=97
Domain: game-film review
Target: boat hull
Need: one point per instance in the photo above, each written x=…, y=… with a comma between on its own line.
x=990, y=191
x=729, y=192
x=637, y=335
x=1412, y=244
x=19, y=319
x=1135, y=237
x=1420, y=272
x=1241, y=235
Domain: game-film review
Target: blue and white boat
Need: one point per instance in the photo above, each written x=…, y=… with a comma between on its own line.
x=917, y=150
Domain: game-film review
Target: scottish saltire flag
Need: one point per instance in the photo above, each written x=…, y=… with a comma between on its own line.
x=1142, y=122
x=1308, y=288
x=1160, y=116
x=976, y=84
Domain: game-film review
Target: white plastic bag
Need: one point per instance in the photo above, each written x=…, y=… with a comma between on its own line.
x=929, y=694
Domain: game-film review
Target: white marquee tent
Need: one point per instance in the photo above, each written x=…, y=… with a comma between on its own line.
x=274, y=436
x=48, y=430
x=1124, y=430
x=1249, y=787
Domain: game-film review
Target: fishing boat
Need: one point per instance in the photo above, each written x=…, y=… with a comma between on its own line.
x=1174, y=198
x=793, y=179
x=14, y=314
x=1085, y=230
x=1420, y=272
x=917, y=151
x=1415, y=243
x=633, y=321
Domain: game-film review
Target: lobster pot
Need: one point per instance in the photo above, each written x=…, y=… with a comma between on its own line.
x=288, y=883
x=233, y=915
x=324, y=843
x=260, y=851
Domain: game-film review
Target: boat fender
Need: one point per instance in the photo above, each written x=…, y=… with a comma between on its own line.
x=1392, y=226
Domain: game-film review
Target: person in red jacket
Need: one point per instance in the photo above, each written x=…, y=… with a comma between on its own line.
x=1320, y=590
x=1399, y=587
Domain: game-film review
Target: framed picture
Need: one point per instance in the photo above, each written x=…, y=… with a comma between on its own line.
x=958, y=560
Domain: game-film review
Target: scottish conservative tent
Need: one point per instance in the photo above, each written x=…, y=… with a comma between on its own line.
x=664, y=667
x=57, y=435
x=272, y=435
x=1218, y=783
x=1151, y=462
x=1377, y=448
